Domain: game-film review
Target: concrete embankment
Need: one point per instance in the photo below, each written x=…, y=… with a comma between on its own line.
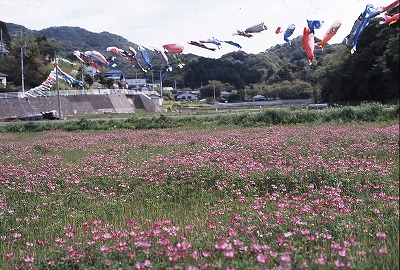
x=77, y=104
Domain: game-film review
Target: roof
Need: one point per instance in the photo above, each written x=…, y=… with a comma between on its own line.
x=186, y=94
x=114, y=72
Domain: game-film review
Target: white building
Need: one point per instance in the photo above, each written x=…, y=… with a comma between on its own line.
x=3, y=79
x=114, y=74
x=186, y=96
x=136, y=83
x=259, y=98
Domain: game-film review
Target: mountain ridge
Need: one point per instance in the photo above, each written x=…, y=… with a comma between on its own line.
x=72, y=37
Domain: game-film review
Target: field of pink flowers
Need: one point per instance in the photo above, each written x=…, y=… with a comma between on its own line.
x=279, y=197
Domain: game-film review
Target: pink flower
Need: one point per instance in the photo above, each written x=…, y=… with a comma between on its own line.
x=139, y=266
x=78, y=255
x=280, y=240
x=346, y=244
x=148, y=264
x=17, y=235
x=28, y=259
x=305, y=232
x=184, y=245
x=378, y=212
x=195, y=255
x=261, y=258
x=60, y=240
x=312, y=238
x=96, y=222
x=142, y=244
x=288, y=234
x=320, y=260
x=9, y=256
x=256, y=247
x=335, y=246
x=130, y=222
x=104, y=249
x=164, y=242
x=229, y=254
x=273, y=253
x=237, y=242
x=383, y=250
x=380, y=235
x=285, y=259
x=190, y=226
x=130, y=255
x=42, y=242
x=206, y=254
x=339, y=264
x=327, y=236
x=107, y=236
x=221, y=246
x=304, y=265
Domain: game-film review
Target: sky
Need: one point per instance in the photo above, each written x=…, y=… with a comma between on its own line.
x=153, y=23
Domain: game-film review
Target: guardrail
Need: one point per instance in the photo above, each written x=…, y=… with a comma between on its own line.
x=281, y=102
x=11, y=95
x=79, y=92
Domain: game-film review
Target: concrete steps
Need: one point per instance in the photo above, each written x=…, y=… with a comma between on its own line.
x=121, y=103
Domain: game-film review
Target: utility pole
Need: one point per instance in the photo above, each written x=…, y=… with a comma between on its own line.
x=83, y=82
x=58, y=89
x=214, y=92
x=175, y=85
x=22, y=69
x=137, y=84
x=1, y=42
x=152, y=80
x=161, y=85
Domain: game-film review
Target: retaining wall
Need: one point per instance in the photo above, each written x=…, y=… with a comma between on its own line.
x=79, y=104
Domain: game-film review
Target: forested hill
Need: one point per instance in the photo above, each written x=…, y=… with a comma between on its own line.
x=282, y=71
x=69, y=38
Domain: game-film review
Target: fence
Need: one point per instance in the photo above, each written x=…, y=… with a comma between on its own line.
x=79, y=92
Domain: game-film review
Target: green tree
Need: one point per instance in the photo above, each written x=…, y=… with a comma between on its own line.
x=370, y=74
x=89, y=79
x=290, y=90
x=5, y=35
x=213, y=87
x=37, y=56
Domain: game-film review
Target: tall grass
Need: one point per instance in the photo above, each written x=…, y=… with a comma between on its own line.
x=368, y=112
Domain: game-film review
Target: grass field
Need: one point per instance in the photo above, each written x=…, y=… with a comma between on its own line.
x=321, y=196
